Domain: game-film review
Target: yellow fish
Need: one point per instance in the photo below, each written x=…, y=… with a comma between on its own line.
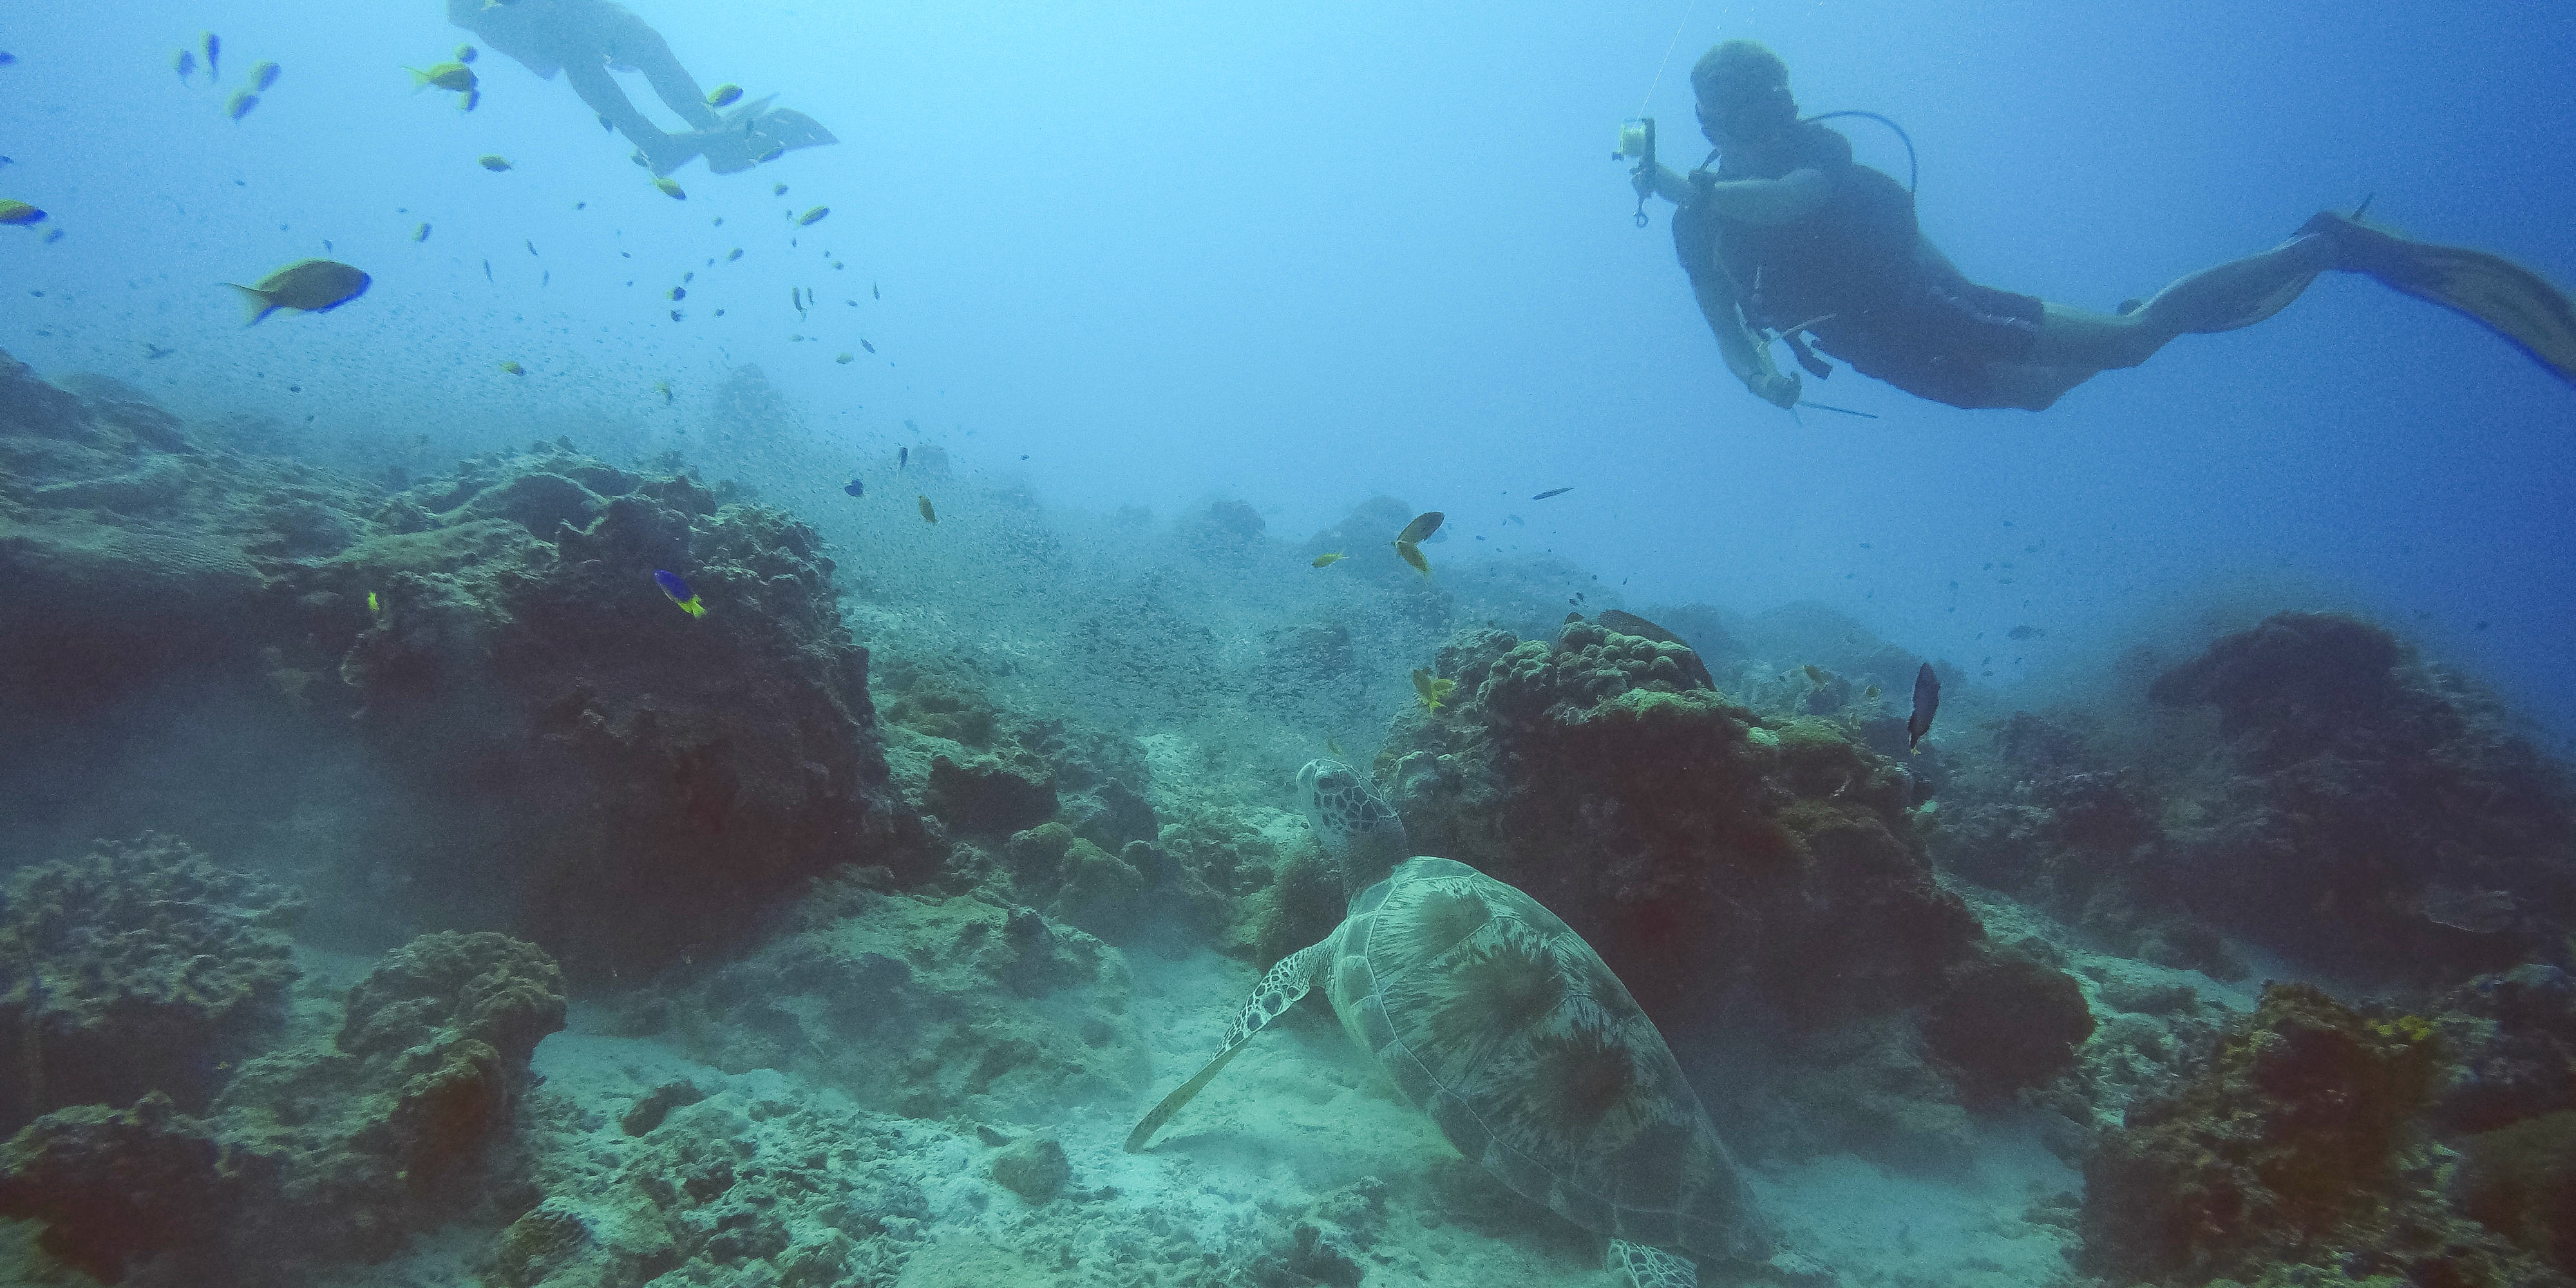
x=1333, y=558
x=723, y=95
x=672, y=190
x=1413, y=555
x=1431, y=689
x=513, y=368
x=455, y=76
x=928, y=515
x=20, y=213
x=372, y=606
x=663, y=387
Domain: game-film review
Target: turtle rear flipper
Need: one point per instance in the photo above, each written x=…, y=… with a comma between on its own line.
x=1277, y=991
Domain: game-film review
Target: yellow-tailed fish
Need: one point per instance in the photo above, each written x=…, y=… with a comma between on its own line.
x=240, y=104
x=1412, y=554
x=669, y=189
x=513, y=368
x=724, y=95
x=1423, y=525
x=263, y=76
x=679, y=592
x=1431, y=689
x=448, y=76
x=19, y=212
x=928, y=515
x=307, y=285
x=812, y=216
x=1327, y=560
x=373, y=607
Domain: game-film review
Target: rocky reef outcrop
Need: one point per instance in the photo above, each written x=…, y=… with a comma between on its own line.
x=137, y=968
x=189, y=1121
x=2299, y=1142
x=1712, y=853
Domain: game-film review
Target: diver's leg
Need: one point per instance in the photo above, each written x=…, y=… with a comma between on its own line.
x=633, y=43
x=2032, y=388
x=597, y=88
x=2238, y=293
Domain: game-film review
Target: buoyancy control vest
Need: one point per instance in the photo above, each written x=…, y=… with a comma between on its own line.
x=1852, y=253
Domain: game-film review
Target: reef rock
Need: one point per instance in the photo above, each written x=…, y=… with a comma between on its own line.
x=137, y=968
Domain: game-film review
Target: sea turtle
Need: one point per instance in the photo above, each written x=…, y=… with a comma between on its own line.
x=1510, y=1032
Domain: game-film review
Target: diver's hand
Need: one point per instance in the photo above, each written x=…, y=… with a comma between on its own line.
x=1775, y=388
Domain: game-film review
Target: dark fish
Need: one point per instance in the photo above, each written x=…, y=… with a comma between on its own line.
x=1927, y=703
x=487, y=270
x=184, y=64
x=855, y=488
x=307, y=285
x=867, y=346
x=214, y=48
x=2024, y=632
x=1422, y=527
x=1554, y=491
x=872, y=292
x=263, y=76
x=151, y=351
x=530, y=243
x=902, y=455
x=679, y=592
x=7, y=58
x=241, y=103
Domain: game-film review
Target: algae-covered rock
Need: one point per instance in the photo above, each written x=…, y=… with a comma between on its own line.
x=926, y=1006
x=2292, y=1140
x=2520, y=1181
x=2006, y=1022
x=991, y=793
x=115, y=1185
x=1033, y=1168
x=153, y=969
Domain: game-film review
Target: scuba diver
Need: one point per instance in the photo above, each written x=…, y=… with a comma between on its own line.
x=585, y=39
x=1790, y=239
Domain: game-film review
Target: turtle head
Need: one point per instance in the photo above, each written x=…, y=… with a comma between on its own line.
x=1359, y=832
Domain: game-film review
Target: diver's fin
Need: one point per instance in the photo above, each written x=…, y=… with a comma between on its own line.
x=2128, y=307
x=2506, y=298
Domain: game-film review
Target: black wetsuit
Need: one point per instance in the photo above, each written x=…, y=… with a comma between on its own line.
x=1858, y=276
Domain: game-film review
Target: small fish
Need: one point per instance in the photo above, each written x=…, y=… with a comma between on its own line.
x=7, y=58
x=855, y=488
x=903, y=454
x=450, y=76
x=493, y=162
x=546, y=278
x=663, y=387
x=812, y=216
x=928, y=515
x=872, y=292
x=776, y=150
x=1332, y=747
x=867, y=346
x=240, y=104
x=184, y=63
x=846, y=357
x=669, y=189
x=724, y=95
x=512, y=367
x=679, y=592
x=151, y=351
x=1326, y=561
x=679, y=292
x=2024, y=632
x=373, y=604
x=1421, y=528
x=1554, y=491
x=1431, y=689
x=675, y=314
x=307, y=286
x=1412, y=554
x=487, y=270
x=1817, y=675
x=263, y=76
x=214, y=48
x=19, y=213
x=420, y=234
x=737, y=254
x=778, y=190
x=465, y=53
x=469, y=100
x=1927, y=702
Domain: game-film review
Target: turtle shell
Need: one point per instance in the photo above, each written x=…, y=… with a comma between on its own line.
x=1498, y=1021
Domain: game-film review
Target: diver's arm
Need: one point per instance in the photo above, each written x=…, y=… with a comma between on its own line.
x=1668, y=183
x=1747, y=357
x=1785, y=200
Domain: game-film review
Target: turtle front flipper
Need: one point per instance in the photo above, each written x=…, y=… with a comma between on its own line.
x=1639, y=1266
x=1276, y=992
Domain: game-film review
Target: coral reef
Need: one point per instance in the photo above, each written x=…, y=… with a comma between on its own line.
x=921, y=1006
x=327, y=1150
x=137, y=968
x=2297, y=1143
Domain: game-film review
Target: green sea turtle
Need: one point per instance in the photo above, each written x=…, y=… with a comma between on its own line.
x=1510, y=1032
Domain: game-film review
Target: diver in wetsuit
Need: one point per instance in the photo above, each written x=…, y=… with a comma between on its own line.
x=1790, y=239
x=584, y=39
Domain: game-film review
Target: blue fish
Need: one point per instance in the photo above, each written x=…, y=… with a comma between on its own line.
x=679, y=592
x=855, y=488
